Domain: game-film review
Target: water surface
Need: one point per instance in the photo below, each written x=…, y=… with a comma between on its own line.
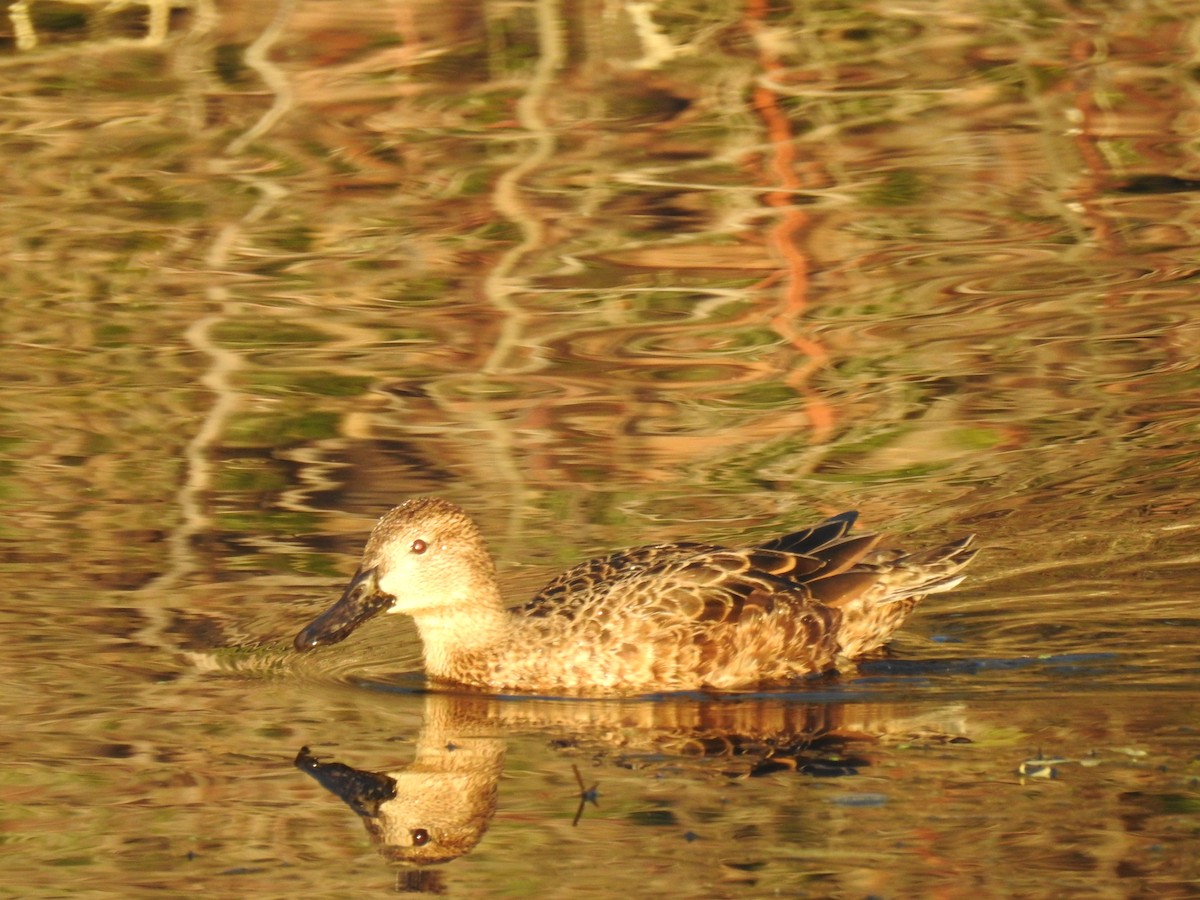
x=603, y=275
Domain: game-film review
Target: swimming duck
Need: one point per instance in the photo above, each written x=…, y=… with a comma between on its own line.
x=663, y=617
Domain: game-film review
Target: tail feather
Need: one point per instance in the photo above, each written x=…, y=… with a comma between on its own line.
x=812, y=540
x=871, y=616
x=839, y=589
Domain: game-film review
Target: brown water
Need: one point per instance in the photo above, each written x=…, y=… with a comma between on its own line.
x=603, y=274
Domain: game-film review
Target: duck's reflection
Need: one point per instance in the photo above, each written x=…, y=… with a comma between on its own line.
x=438, y=807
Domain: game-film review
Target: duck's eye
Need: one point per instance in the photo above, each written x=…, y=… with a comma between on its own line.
x=420, y=837
x=419, y=546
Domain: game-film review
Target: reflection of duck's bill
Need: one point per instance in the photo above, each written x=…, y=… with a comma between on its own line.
x=362, y=791
x=361, y=600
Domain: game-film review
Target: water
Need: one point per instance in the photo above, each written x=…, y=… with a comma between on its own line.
x=602, y=276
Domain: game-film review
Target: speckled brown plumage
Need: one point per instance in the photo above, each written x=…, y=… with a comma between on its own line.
x=662, y=617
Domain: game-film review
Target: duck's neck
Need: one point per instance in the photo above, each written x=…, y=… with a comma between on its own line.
x=465, y=634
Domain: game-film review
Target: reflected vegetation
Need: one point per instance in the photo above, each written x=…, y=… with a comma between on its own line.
x=607, y=275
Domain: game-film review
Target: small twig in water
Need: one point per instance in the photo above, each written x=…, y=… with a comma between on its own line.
x=586, y=795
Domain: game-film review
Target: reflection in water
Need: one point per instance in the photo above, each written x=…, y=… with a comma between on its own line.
x=438, y=807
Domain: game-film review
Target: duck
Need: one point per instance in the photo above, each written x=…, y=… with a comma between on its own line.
x=659, y=618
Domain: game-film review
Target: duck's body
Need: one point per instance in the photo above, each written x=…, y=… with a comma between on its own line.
x=663, y=617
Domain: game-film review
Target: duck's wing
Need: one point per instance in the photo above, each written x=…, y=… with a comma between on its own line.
x=806, y=560
x=706, y=584
x=581, y=583
x=728, y=585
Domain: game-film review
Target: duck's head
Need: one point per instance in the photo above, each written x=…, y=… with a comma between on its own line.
x=424, y=555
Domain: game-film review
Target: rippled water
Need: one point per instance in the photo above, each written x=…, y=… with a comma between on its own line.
x=603, y=276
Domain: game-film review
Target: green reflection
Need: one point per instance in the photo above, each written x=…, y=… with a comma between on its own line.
x=899, y=187
x=265, y=333
x=257, y=430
